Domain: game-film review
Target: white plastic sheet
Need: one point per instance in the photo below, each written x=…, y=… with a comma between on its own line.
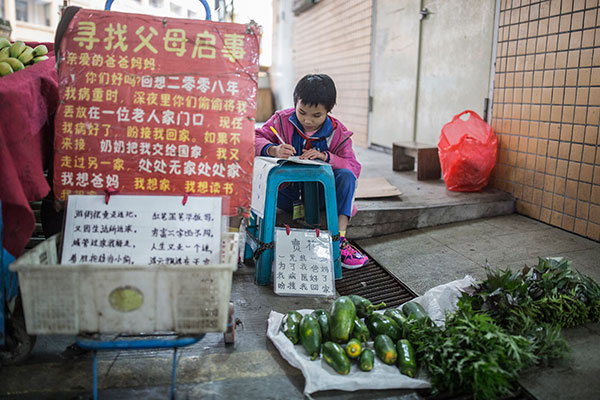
x=440, y=299
x=320, y=376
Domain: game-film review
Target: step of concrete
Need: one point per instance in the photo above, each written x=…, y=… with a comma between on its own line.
x=422, y=203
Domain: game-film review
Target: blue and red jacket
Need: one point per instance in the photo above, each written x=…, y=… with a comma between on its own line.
x=332, y=138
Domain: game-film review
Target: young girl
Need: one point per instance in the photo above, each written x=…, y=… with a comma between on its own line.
x=309, y=132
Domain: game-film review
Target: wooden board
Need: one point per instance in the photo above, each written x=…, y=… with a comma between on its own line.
x=375, y=187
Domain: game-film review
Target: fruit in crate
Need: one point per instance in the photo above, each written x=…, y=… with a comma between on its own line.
x=5, y=69
x=40, y=50
x=17, y=48
x=16, y=64
x=17, y=56
x=4, y=42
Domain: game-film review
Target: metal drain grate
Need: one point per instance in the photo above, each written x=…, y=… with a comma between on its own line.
x=375, y=283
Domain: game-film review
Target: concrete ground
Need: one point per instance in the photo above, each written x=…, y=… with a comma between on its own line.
x=418, y=251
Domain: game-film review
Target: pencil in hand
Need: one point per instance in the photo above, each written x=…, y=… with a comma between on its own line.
x=281, y=141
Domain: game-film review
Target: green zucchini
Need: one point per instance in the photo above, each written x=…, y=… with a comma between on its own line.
x=364, y=307
x=407, y=362
x=414, y=310
x=290, y=325
x=353, y=349
x=399, y=318
x=342, y=314
x=367, y=358
x=336, y=358
x=325, y=321
x=360, y=330
x=385, y=349
x=310, y=335
x=380, y=324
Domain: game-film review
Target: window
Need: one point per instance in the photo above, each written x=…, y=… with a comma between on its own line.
x=21, y=8
x=46, y=14
x=191, y=14
x=156, y=3
x=175, y=9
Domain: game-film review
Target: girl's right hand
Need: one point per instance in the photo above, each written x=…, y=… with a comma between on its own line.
x=282, y=151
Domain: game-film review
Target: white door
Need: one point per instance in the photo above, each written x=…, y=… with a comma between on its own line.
x=393, y=70
x=456, y=42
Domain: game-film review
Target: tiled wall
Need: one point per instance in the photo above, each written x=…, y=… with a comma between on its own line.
x=546, y=110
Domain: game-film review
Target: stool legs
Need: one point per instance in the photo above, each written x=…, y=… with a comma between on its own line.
x=266, y=226
x=266, y=234
x=311, y=203
x=332, y=225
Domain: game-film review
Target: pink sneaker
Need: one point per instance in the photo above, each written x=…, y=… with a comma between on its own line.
x=350, y=257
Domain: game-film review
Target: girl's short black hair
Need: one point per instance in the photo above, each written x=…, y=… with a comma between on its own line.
x=315, y=89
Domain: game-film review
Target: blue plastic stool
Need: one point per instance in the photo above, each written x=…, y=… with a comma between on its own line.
x=262, y=230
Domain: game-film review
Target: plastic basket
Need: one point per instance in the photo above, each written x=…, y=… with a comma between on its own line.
x=73, y=299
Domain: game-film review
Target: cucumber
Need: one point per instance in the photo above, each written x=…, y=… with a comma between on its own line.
x=324, y=320
x=290, y=325
x=360, y=330
x=336, y=358
x=407, y=363
x=399, y=318
x=367, y=358
x=342, y=314
x=310, y=335
x=414, y=310
x=380, y=324
x=353, y=349
x=364, y=307
x=385, y=349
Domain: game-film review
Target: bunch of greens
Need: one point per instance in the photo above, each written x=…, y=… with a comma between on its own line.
x=472, y=354
x=552, y=292
x=503, y=324
x=561, y=294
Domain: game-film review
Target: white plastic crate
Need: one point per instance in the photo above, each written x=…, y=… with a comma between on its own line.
x=72, y=299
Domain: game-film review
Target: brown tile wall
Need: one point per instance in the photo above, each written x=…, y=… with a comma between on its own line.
x=334, y=37
x=546, y=110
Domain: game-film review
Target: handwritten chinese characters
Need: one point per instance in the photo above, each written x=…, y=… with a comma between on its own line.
x=142, y=230
x=303, y=264
x=156, y=106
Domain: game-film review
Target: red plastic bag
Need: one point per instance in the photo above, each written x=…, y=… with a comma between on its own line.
x=467, y=150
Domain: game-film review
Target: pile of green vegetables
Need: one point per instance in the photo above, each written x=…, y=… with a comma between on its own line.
x=343, y=334
x=507, y=322
x=504, y=324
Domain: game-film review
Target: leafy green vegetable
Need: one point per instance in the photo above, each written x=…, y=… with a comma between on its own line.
x=550, y=292
x=560, y=309
x=471, y=355
x=503, y=324
x=555, y=276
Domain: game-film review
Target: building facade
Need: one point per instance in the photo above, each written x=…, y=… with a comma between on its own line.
x=403, y=69
x=36, y=20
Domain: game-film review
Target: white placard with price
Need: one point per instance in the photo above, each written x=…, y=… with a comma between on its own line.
x=303, y=263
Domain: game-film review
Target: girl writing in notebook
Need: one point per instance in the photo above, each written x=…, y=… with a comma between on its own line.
x=308, y=131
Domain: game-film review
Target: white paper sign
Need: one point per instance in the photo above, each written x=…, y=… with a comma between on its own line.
x=262, y=167
x=142, y=230
x=303, y=265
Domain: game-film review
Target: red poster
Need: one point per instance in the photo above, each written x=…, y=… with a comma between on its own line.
x=153, y=105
